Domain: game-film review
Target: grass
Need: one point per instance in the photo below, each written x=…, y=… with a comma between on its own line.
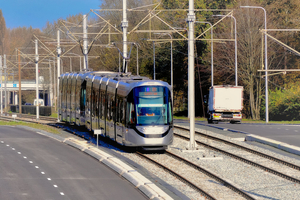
x=32, y=125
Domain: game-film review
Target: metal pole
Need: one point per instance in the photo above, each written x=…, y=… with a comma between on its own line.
x=70, y=64
x=212, y=51
x=172, y=68
x=85, y=44
x=1, y=85
x=37, y=79
x=191, y=82
x=51, y=84
x=58, y=71
x=266, y=61
x=119, y=63
x=124, y=27
x=235, y=44
x=54, y=84
x=5, y=84
x=20, y=95
x=154, y=60
x=137, y=59
x=80, y=63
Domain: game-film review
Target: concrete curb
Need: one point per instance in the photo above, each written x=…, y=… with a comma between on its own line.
x=280, y=145
x=130, y=174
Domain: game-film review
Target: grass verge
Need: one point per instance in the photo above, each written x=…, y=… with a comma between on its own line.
x=32, y=125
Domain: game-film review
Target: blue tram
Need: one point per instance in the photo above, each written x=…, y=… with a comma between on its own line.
x=131, y=110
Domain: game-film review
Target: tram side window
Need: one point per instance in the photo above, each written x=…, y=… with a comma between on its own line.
x=122, y=112
x=117, y=110
x=94, y=102
x=112, y=115
x=103, y=104
x=170, y=108
x=100, y=105
x=131, y=119
x=108, y=107
x=82, y=98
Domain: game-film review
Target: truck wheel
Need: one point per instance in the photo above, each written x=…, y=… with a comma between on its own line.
x=209, y=121
x=215, y=122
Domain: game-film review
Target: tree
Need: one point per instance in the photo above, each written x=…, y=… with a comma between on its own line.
x=2, y=32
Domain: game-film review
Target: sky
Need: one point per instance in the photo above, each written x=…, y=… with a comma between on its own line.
x=36, y=13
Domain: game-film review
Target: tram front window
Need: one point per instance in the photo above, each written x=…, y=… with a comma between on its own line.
x=152, y=105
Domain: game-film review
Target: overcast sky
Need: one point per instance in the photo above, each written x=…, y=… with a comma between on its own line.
x=36, y=13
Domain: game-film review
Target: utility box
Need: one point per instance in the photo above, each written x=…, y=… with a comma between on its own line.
x=225, y=103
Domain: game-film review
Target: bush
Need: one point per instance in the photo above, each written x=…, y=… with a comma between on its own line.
x=285, y=104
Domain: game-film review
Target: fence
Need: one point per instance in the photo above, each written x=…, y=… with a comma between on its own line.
x=43, y=110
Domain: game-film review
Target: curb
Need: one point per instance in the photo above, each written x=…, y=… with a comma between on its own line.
x=130, y=174
x=280, y=145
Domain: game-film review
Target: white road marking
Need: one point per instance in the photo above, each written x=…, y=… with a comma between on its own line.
x=49, y=179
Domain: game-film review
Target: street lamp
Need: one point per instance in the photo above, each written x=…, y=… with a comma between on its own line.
x=266, y=60
x=212, y=51
x=171, y=41
x=235, y=44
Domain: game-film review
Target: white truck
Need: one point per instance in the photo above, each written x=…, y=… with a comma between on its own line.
x=225, y=103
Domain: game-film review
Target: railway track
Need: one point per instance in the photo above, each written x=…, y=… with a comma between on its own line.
x=196, y=177
x=279, y=168
x=28, y=118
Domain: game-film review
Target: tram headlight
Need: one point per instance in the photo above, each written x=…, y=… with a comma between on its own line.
x=152, y=129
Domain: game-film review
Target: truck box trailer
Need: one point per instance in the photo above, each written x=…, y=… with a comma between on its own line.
x=225, y=103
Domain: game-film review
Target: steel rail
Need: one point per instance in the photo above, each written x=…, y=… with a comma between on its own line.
x=208, y=196
x=267, y=169
x=225, y=183
x=291, y=165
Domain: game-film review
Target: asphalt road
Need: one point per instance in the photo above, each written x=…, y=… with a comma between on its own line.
x=289, y=134
x=35, y=167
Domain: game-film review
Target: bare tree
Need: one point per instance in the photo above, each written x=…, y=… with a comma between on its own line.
x=2, y=31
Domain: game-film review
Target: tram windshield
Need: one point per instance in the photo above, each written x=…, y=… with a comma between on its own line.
x=151, y=106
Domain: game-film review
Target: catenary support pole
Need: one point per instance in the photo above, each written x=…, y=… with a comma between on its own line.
x=58, y=74
x=5, y=84
x=85, y=43
x=124, y=27
x=20, y=94
x=191, y=83
x=37, y=79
